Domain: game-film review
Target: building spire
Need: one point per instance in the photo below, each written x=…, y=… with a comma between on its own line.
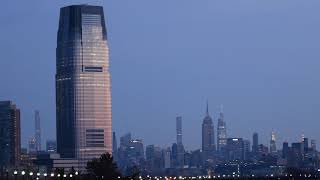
x=221, y=108
x=207, y=111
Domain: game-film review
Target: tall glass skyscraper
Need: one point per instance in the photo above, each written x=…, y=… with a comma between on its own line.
x=179, y=129
x=221, y=132
x=37, y=133
x=83, y=97
x=255, y=145
x=180, y=147
x=10, y=135
x=273, y=147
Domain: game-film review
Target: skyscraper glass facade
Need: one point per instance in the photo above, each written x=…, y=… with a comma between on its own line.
x=221, y=133
x=37, y=130
x=83, y=97
x=10, y=134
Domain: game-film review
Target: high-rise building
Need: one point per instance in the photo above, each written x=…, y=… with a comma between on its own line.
x=273, y=147
x=295, y=155
x=32, y=143
x=285, y=150
x=122, y=152
x=174, y=155
x=51, y=146
x=255, y=144
x=154, y=157
x=10, y=134
x=158, y=158
x=196, y=158
x=235, y=149
x=179, y=129
x=313, y=145
x=208, y=145
x=83, y=97
x=125, y=139
x=180, y=147
x=167, y=158
x=221, y=132
x=114, y=143
x=135, y=151
x=149, y=152
x=246, y=149
x=263, y=150
x=37, y=133
x=305, y=144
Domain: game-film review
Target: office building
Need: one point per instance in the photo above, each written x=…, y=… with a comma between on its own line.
x=37, y=134
x=196, y=158
x=125, y=139
x=235, y=149
x=263, y=150
x=285, y=150
x=174, y=155
x=179, y=129
x=313, y=145
x=167, y=158
x=246, y=149
x=295, y=155
x=114, y=146
x=32, y=143
x=273, y=147
x=208, y=144
x=154, y=157
x=305, y=144
x=51, y=146
x=136, y=151
x=149, y=152
x=83, y=94
x=221, y=132
x=122, y=151
x=255, y=143
x=10, y=134
x=180, y=147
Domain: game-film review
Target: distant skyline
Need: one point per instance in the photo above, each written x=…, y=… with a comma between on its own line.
x=260, y=59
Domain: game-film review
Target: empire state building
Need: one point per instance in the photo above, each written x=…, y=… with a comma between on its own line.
x=208, y=144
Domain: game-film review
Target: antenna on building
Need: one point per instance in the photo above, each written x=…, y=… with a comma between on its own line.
x=302, y=137
x=207, y=111
x=221, y=108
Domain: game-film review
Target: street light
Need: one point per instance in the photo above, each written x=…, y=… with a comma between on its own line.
x=23, y=173
x=15, y=173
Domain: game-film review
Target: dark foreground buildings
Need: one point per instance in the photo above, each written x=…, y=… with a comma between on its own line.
x=10, y=144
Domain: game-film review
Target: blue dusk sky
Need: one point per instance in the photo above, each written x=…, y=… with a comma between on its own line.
x=260, y=59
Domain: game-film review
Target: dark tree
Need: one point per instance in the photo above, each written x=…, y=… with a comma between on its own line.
x=72, y=171
x=59, y=171
x=104, y=167
x=133, y=172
